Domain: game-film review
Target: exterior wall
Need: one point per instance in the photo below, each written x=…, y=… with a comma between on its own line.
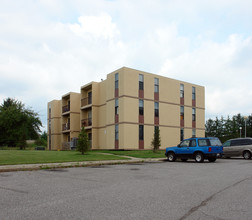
x=104, y=119
x=54, y=124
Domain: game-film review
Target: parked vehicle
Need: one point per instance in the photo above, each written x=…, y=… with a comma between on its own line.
x=238, y=147
x=196, y=148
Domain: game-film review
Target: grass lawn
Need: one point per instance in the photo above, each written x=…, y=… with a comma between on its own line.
x=9, y=157
x=138, y=153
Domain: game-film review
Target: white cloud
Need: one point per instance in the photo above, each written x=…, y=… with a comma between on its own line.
x=97, y=26
x=50, y=48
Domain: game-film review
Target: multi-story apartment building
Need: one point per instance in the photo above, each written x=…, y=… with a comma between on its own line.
x=122, y=111
x=63, y=121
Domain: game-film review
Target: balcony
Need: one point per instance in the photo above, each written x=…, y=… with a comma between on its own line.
x=86, y=122
x=66, y=127
x=65, y=109
x=86, y=101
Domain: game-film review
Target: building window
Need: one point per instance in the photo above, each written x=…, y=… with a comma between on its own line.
x=181, y=112
x=90, y=98
x=156, y=85
x=116, y=132
x=193, y=93
x=141, y=132
x=116, y=107
x=181, y=134
x=193, y=133
x=141, y=82
x=141, y=107
x=181, y=90
x=193, y=114
x=116, y=81
x=156, y=109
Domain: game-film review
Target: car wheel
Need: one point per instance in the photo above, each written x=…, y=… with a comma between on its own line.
x=246, y=155
x=199, y=158
x=171, y=157
x=212, y=159
x=184, y=159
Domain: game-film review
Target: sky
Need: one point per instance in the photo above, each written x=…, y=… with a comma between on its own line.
x=51, y=47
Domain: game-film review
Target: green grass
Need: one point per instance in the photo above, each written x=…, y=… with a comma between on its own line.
x=11, y=157
x=138, y=153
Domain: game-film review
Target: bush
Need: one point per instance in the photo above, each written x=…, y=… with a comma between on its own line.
x=41, y=142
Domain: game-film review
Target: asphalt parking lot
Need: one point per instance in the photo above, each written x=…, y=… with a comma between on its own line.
x=160, y=190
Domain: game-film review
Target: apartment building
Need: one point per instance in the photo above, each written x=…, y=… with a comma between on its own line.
x=122, y=111
x=63, y=121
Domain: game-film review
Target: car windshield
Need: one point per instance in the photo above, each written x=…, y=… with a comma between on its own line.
x=215, y=142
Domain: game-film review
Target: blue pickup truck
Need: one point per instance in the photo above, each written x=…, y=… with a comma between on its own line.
x=196, y=148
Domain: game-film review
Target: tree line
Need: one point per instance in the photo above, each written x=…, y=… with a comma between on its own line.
x=17, y=124
x=227, y=128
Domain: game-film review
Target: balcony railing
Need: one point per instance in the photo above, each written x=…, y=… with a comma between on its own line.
x=86, y=101
x=66, y=127
x=65, y=108
x=86, y=122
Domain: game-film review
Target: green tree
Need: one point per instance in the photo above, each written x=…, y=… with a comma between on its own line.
x=229, y=128
x=83, y=144
x=17, y=123
x=156, y=141
x=42, y=140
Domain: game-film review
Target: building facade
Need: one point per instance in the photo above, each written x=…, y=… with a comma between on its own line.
x=122, y=112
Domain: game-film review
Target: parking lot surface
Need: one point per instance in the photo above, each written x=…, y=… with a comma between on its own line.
x=160, y=190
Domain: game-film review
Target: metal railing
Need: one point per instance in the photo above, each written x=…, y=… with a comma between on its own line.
x=86, y=101
x=66, y=127
x=65, y=108
x=86, y=122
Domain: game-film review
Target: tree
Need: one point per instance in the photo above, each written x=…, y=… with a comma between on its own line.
x=42, y=140
x=229, y=128
x=156, y=141
x=17, y=123
x=83, y=144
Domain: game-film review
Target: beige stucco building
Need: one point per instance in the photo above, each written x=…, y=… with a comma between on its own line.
x=122, y=111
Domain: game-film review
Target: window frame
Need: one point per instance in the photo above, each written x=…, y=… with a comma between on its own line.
x=193, y=114
x=193, y=93
x=141, y=133
x=116, y=106
x=141, y=81
x=116, y=132
x=182, y=91
x=116, y=81
x=182, y=113
x=141, y=107
x=156, y=85
x=156, y=109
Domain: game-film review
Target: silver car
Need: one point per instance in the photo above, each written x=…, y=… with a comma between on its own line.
x=238, y=147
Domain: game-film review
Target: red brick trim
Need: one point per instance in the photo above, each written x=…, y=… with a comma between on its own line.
x=156, y=120
x=116, y=93
x=141, y=94
x=116, y=144
x=182, y=101
x=141, y=119
x=141, y=144
x=116, y=118
x=193, y=103
x=194, y=124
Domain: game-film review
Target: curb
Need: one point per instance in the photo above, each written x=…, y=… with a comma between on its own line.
x=31, y=167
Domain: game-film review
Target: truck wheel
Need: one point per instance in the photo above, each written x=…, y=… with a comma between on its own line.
x=171, y=157
x=199, y=158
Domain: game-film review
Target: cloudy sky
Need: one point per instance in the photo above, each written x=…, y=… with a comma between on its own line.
x=51, y=47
